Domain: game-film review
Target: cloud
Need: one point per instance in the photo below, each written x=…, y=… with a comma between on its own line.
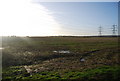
x=24, y=17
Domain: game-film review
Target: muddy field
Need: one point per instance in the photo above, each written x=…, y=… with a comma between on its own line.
x=73, y=58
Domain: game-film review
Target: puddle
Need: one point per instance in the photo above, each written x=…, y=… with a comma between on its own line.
x=62, y=51
x=82, y=60
x=1, y=48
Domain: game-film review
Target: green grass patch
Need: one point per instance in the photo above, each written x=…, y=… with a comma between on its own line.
x=105, y=73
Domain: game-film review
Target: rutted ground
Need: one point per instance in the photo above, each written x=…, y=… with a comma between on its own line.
x=92, y=59
x=60, y=57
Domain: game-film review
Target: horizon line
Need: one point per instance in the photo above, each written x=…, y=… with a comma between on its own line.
x=67, y=36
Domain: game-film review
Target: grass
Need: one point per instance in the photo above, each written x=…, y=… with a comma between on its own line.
x=104, y=73
x=100, y=54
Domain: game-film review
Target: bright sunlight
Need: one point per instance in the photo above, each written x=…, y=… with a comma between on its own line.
x=26, y=18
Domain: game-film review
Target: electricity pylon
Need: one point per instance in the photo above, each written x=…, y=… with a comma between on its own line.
x=114, y=29
x=100, y=31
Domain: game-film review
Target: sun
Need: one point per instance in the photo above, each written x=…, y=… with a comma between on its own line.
x=26, y=18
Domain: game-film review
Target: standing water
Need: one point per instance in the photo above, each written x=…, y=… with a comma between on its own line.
x=1, y=48
x=62, y=51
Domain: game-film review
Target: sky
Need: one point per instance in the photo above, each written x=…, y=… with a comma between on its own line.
x=29, y=18
x=76, y=0
x=84, y=18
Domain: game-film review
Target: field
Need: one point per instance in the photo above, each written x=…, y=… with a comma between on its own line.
x=60, y=58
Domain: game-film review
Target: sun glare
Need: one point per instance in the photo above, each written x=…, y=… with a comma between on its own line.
x=26, y=18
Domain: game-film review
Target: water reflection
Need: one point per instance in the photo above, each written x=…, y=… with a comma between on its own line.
x=1, y=48
x=62, y=51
